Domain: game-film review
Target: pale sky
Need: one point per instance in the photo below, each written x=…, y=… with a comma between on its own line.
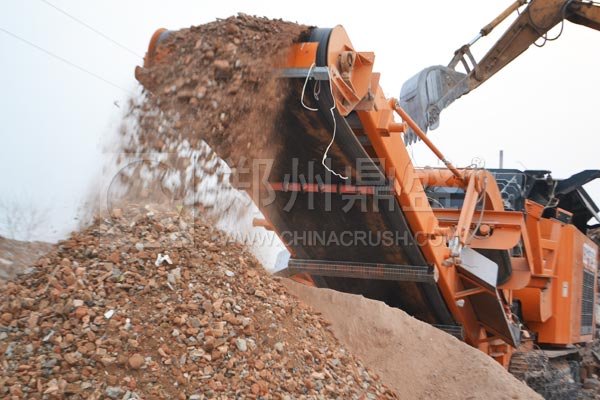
x=542, y=110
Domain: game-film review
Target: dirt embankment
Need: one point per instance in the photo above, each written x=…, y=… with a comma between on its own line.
x=16, y=256
x=415, y=359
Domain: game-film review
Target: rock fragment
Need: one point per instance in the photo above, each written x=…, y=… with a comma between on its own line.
x=136, y=361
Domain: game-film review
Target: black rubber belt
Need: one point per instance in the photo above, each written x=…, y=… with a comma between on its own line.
x=350, y=145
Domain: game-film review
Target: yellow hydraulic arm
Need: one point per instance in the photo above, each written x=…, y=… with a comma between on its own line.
x=532, y=24
x=426, y=94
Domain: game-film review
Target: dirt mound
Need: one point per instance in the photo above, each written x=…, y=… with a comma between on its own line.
x=415, y=359
x=156, y=305
x=16, y=256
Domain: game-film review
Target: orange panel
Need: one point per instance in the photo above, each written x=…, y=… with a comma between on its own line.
x=577, y=255
x=302, y=55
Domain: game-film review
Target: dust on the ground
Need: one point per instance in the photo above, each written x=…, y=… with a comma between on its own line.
x=415, y=359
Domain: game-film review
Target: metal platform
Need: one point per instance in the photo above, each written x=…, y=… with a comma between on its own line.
x=388, y=272
x=454, y=330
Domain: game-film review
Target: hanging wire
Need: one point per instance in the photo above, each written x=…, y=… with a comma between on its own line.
x=64, y=60
x=91, y=28
x=540, y=31
x=304, y=89
x=331, y=110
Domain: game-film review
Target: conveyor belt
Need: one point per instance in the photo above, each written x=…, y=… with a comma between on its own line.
x=302, y=218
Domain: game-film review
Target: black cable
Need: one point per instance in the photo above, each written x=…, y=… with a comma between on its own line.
x=92, y=28
x=64, y=60
x=539, y=30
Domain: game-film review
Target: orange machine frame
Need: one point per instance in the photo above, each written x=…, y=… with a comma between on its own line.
x=445, y=231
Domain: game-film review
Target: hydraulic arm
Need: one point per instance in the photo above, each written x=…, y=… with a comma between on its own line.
x=426, y=94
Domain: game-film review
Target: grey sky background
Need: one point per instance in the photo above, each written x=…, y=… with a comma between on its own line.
x=542, y=110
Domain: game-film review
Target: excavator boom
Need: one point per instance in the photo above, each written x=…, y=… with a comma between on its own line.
x=426, y=94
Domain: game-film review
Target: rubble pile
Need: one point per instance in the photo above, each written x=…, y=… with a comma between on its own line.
x=155, y=304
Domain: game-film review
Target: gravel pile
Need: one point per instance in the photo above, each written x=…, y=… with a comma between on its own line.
x=155, y=304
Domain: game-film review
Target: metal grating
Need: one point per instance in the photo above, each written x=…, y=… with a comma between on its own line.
x=389, y=272
x=587, y=303
x=455, y=330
